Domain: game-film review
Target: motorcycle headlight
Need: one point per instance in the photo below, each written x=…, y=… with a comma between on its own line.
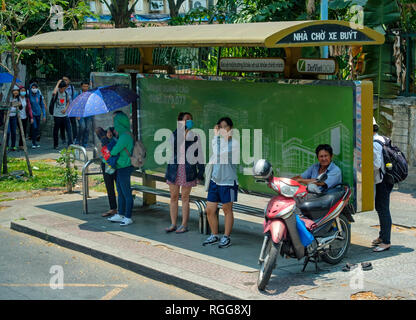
x=288, y=190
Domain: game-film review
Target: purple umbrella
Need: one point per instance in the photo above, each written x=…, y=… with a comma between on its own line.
x=101, y=100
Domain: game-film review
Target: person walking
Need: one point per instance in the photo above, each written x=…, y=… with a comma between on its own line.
x=382, y=193
x=39, y=113
x=123, y=148
x=25, y=113
x=223, y=184
x=60, y=104
x=183, y=173
x=11, y=130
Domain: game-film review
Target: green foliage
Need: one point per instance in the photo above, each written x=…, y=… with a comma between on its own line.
x=44, y=176
x=381, y=15
x=70, y=176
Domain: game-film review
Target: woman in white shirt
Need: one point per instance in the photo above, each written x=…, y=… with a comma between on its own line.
x=25, y=113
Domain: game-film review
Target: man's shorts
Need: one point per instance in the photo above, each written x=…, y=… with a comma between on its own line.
x=222, y=194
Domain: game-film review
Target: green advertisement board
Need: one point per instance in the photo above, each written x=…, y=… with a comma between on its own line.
x=290, y=118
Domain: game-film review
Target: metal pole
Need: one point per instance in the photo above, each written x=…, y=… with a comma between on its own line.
x=408, y=62
x=134, y=106
x=324, y=16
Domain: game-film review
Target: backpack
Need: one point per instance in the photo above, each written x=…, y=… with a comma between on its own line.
x=53, y=101
x=138, y=155
x=392, y=154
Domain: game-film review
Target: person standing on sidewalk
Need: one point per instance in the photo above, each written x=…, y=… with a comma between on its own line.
x=180, y=173
x=84, y=123
x=223, y=184
x=71, y=121
x=382, y=190
x=123, y=148
x=109, y=174
x=38, y=110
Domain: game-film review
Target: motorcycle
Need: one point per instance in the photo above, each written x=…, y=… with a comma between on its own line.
x=323, y=219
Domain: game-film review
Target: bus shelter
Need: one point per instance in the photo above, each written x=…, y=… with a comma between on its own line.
x=290, y=115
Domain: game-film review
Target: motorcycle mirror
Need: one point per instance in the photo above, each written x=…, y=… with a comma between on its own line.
x=322, y=177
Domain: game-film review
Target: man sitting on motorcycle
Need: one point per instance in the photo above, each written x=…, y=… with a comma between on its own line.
x=324, y=154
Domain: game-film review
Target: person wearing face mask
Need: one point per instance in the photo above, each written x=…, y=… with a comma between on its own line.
x=25, y=112
x=222, y=181
x=184, y=170
x=38, y=110
x=11, y=130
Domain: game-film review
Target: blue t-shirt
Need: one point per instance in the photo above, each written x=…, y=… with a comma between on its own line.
x=334, y=174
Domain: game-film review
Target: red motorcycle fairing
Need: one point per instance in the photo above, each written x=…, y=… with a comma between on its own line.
x=278, y=204
x=277, y=229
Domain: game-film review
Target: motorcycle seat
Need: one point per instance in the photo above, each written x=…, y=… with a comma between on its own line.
x=316, y=206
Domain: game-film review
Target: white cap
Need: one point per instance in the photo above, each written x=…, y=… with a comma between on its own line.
x=374, y=122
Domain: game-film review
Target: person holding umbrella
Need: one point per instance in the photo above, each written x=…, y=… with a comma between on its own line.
x=123, y=148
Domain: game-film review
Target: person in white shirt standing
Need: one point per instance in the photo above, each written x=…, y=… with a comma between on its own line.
x=382, y=193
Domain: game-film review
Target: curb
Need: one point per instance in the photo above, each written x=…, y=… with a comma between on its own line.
x=191, y=282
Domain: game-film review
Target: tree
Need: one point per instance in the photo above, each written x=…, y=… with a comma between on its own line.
x=120, y=12
x=21, y=19
x=174, y=6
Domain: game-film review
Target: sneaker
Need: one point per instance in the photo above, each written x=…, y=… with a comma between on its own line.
x=126, y=222
x=38, y=146
x=116, y=218
x=225, y=242
x=33, y=146
x=212, y=239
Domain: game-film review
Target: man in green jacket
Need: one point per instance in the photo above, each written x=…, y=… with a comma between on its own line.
x=123, y=148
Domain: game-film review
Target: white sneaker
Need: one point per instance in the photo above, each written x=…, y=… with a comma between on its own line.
x=116, y=218
x=126, y=222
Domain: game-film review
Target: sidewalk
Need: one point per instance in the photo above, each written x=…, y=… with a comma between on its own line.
x=230, y=273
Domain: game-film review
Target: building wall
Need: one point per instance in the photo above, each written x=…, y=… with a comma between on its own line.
x=399, y=121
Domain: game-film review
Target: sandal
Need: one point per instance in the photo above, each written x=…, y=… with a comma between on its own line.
x=171, y=228
x=109, y=213
x=366, y=266
x=349, y=267
x=182, y=229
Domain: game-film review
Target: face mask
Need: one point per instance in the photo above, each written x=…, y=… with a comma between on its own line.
x=34, y=90
x=23, y=93
x=189, y=124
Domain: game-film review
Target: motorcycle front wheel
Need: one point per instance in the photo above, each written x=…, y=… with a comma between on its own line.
x=269, y=258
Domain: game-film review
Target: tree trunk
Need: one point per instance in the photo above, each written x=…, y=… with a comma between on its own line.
x=174, y=7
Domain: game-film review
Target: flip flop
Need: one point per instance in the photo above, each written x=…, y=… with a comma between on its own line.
x=171, y=228
x=349, y=267
x=366, y=266
x=182, y=229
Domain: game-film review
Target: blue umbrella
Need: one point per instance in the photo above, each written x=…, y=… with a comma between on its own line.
x=6, y=77
x=101, y=100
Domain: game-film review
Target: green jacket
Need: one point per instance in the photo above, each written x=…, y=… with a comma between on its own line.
x=125, y=140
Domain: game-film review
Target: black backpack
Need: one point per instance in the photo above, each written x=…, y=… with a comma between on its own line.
x=392, y=154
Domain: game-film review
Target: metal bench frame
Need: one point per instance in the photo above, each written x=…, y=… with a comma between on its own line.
x=200, y=202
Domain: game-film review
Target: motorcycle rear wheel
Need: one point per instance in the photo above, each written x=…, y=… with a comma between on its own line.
x=334, y=256
x=269, y=263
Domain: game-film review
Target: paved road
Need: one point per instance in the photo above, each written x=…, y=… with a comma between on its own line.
x=29, y=265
